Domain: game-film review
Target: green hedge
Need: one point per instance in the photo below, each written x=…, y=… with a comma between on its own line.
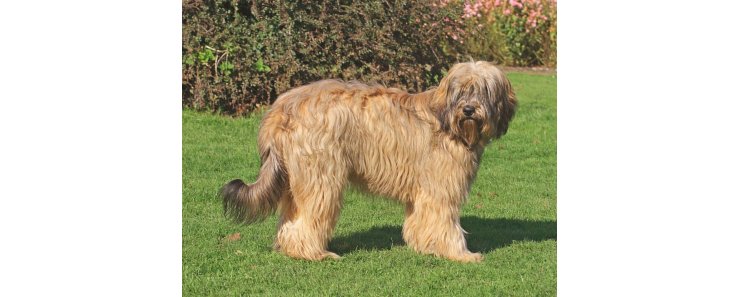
x=513, y=32
x=238, y=55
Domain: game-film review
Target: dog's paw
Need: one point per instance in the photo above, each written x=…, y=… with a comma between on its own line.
x=330, y=255
x=468, y=257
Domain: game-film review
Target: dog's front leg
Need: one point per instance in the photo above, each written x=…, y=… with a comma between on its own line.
x=433, y=227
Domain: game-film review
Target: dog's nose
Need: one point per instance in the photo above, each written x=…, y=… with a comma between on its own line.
x=468, y=110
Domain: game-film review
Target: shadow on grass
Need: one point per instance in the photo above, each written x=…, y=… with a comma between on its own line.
x=484, y=235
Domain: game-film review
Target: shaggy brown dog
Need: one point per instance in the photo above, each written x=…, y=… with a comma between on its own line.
x=421, y=149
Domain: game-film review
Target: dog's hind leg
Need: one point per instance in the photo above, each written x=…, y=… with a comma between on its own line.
x=433, y=227
x=309, y=215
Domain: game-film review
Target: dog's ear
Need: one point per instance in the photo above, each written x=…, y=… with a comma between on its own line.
x=446, y=92
x=443, y=115
x=440, y=103
x=505, y=105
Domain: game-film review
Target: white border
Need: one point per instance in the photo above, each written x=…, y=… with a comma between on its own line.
x=648, y=149
x=91, y=138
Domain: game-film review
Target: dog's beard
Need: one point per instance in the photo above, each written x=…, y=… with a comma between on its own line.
x=470, y=131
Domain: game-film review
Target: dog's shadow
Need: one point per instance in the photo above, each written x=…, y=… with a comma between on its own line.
x=484, y=235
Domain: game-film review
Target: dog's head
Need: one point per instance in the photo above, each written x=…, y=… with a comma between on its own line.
x=475, y=102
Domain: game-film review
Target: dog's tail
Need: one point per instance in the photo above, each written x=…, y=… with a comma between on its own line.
x=254, y=202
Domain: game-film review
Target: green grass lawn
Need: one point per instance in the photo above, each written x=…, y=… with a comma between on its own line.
x=511, y=218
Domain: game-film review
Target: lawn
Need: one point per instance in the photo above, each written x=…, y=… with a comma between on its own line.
x=510, y=215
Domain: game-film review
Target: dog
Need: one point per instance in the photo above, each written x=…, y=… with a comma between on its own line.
x=421, y=149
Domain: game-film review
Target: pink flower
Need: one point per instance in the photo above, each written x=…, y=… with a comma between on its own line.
x=515, y=3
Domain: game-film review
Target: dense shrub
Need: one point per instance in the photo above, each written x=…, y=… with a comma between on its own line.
x=238, y=55
x=513, y=32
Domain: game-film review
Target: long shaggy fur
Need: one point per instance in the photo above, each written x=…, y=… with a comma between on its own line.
x=421, y=149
